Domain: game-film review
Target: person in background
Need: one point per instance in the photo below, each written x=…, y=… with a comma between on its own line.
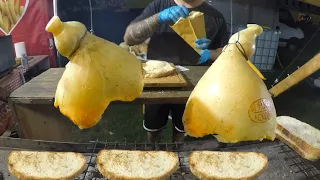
x=166, y=45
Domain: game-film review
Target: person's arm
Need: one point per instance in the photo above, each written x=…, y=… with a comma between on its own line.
x=214, y=54
x=146, y=24
x=143, y=26
x=138, y=32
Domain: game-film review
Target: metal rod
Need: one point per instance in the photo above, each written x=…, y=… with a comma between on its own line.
x=91, y=18
x=231, y=18
x=55, y=8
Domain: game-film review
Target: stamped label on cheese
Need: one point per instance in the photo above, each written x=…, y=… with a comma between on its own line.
x=261, y=110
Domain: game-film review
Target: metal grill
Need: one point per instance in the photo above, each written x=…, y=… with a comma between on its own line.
x=92, y=173
x=298, y=164
x=284, y=163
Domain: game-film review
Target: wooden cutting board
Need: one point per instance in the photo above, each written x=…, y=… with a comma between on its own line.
x=174, y=80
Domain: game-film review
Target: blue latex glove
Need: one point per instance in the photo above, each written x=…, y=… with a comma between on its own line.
x=173, y=14
x=202, y=43
x=204, y=56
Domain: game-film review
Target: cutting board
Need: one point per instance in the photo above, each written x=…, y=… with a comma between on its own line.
x=174, y=80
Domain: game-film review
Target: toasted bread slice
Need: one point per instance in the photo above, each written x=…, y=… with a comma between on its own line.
x=227, y=165
x=300, y=136
x=142, y=165
x=46, y=165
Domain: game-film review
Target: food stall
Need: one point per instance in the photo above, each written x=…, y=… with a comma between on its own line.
x=57, y=115
x=51, y=131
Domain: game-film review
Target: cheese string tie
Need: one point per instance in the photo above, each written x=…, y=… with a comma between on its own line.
x=244, y=54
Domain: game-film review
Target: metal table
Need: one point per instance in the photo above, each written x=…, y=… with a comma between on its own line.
x=37, y=118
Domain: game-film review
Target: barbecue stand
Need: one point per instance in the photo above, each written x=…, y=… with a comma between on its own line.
x=284, y=163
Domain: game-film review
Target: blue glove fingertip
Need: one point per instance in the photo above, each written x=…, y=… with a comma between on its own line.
x=205, y=40
x=202, y=41
x=201, y=52
x=198, y=41
x=203, y=46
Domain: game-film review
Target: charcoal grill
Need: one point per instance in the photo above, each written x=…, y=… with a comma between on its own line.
x=283, y=163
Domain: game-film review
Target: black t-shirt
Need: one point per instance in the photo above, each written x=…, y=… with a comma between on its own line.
x=167, y=45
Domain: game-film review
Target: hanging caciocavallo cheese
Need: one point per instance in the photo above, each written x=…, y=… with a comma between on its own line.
x=230, y=101
x=99, y=72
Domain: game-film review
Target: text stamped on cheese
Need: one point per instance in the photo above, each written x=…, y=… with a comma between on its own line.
x=261, y=110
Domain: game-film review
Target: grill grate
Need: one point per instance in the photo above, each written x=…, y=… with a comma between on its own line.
x=298, y=164
x=281, y=158
x=283, y=162
x=92, y=173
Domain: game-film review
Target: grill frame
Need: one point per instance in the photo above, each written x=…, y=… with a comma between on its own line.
x=296, y=164
x=281, y=157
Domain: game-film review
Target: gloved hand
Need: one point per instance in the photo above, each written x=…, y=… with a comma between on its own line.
x=202, y=43
x=173, y=14
x=204, y=56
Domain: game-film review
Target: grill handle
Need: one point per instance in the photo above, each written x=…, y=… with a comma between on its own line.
x=303, y=72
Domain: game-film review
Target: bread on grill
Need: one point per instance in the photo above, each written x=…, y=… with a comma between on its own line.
x=300, y=136
x=227, y=165
x=32, y=165
x=137, y=165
